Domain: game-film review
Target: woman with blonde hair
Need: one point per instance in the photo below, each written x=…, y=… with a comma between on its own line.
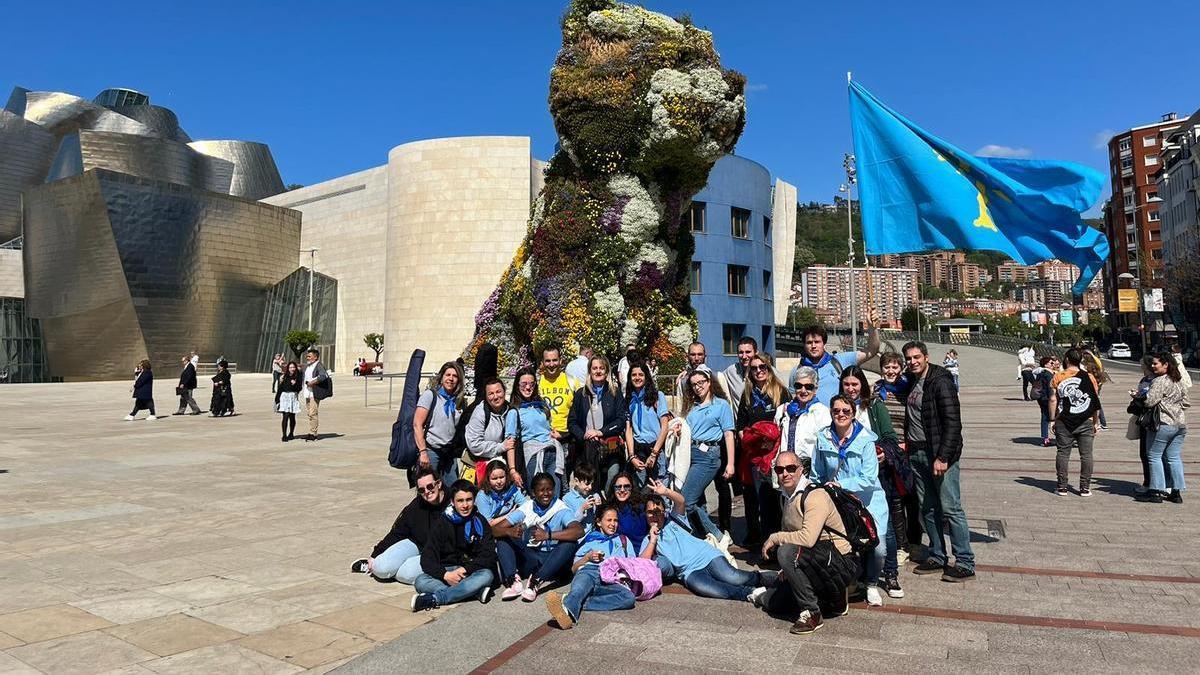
x=436, y=420
x=710, y=419
x=597, y=423
x=759, y=436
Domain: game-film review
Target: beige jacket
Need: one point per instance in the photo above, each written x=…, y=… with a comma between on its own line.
x=805, y=528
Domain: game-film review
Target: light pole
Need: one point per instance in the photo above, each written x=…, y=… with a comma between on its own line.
x=312, y=264
x=1136, y=284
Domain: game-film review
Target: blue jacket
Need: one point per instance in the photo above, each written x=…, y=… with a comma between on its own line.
x=859, y=474
x=143, y=388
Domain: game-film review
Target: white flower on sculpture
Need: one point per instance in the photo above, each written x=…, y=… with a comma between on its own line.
x=610, y=301
x=642, y=214
x=629, y=332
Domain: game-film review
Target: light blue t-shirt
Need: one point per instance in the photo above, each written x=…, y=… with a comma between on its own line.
x=558, y=522
x=647, y=422
x=494, y=505
x=709, y=421
x=828, y=377
x=686, y=553
x=535, y=426
x=585, y=517
x=617, y=547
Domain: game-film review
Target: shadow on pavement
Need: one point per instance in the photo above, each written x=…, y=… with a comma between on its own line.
x=1027, y=440
x=1115, y=486
x=1041, y=483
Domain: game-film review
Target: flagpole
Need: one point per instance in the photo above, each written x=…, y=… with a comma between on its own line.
x=848, y=163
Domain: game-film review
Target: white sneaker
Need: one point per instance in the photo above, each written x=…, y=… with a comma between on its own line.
x=151, y=418
x=874, y=597
x=901, y=557
x=485, y=595
x=755, y=596
x=129, y=418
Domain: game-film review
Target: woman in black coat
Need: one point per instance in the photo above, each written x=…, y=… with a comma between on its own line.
x=597, y=422
x=143, y=391
x=222, y=396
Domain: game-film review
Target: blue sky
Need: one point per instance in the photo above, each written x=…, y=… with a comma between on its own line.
x=332, y=86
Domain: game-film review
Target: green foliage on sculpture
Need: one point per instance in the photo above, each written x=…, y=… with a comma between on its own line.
x=643, y=110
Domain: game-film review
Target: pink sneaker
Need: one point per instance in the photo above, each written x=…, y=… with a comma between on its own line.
x=514, y=591
x=530, y=592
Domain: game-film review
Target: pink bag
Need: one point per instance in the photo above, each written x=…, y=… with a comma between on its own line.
x=639, y=575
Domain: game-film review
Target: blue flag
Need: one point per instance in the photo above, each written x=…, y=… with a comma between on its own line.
x=920, y=193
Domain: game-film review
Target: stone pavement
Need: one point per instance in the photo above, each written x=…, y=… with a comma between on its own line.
x=199, y=544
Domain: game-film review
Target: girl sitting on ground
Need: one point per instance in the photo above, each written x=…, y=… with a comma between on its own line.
x=582, y=499
x=588, y=591
x=536, y=542
x=500, y=495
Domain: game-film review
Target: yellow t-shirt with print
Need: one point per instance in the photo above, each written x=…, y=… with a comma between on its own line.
x=558, y=394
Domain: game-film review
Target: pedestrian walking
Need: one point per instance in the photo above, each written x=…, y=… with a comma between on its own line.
x=222, y=395
x=1075, y=416
x=276, y=371
x=143, y=391
x=950, y=363
x=1026, y=362
x=187, y=385
x=1043, y=377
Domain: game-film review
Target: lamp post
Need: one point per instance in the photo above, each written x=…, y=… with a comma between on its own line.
x=312, y=264
x=1136, y=284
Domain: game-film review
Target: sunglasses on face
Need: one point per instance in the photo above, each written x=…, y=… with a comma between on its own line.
x=428, y=489
x=761, y=368
x=786, y=468
x=841, y=412
x=624, y=487
x=806, y=387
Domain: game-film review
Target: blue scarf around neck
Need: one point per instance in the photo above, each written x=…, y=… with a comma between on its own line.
x=503, y=498
x=447, y=402
x=598, y=390
x=636, y=398
x=760, y=400
x=794, y=409
x=597, y=535
x=539, y=510
x=844, y=444
x=816, y=365
x=472, y=530
x=884, y=389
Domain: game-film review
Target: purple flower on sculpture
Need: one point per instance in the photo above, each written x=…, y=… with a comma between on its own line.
x=650, y=276
x=610, y=220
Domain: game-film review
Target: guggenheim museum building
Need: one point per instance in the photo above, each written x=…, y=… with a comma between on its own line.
x=122, y=238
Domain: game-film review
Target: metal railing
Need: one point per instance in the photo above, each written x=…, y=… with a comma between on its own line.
x=791, y=339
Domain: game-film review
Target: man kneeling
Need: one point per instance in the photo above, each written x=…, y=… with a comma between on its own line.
x=817, y=564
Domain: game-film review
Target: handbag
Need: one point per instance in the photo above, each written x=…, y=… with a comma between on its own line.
x=179, y=390
x=1151, y=419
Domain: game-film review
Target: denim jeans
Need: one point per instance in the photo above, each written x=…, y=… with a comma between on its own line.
x=1167, y=449
x=704, y=467
x=401, y=561
x=1085, y=436
x=1044, y=405
x=658, y=472
x=722, y=581
x=588, y=592
x=444, y=462
x=534, y=563
x=446, y=594
x=547, y=465
x=941, y=499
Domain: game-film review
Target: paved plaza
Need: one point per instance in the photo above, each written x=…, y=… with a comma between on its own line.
x=193, y=544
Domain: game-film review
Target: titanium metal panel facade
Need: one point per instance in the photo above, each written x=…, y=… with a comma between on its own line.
x=255, y=175
x=120, y=268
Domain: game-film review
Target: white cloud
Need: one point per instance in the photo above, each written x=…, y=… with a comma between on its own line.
x=1003, y=151
x=1100, y=140
x=750, y=88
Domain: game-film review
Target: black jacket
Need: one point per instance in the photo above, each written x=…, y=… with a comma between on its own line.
x=144, y=386
x=749, y=414
x=940, y=415
x=612, y=405
x=447, y=546
x=187, y=378
x=413, y=524
x=294, y=384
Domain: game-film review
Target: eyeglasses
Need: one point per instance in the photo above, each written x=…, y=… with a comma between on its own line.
x=806, y=387
x=428, y=489
x=841, y=412
x=786, y=468
x=624, y=487
x=761, y=368
x=699, y=383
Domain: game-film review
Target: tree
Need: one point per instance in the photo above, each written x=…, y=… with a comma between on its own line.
x=908, y=319
x=292, y=186
x=374, y=342
x=803, y=317
x=300, y=340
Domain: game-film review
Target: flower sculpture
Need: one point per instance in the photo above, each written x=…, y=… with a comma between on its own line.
x=642, y=109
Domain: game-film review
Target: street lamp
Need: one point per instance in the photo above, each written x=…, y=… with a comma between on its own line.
x=312, y=264
x=1135, y=283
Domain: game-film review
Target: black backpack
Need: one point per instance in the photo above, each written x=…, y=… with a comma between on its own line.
x=861, y=533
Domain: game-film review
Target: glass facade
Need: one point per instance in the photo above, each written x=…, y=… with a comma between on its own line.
x=22, y=358
x=287, y=310
x=111, y=98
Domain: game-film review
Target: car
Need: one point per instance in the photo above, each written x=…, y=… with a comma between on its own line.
x=1120, y=350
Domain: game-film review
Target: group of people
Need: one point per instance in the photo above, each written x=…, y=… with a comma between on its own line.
x=603, y=484
x=295, y=390
x=1068, y=393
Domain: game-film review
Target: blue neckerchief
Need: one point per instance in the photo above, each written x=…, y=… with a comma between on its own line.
x=533, y=404
x=760, y=401
x=816, y=365
x=885, y=388
x=635, y=404
x=502, y=498
x=472, y=531
x=447, y=402
x=844, y=443
x=539, y=510
x=597, y=535
x=598, y=390
x=794, y=410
